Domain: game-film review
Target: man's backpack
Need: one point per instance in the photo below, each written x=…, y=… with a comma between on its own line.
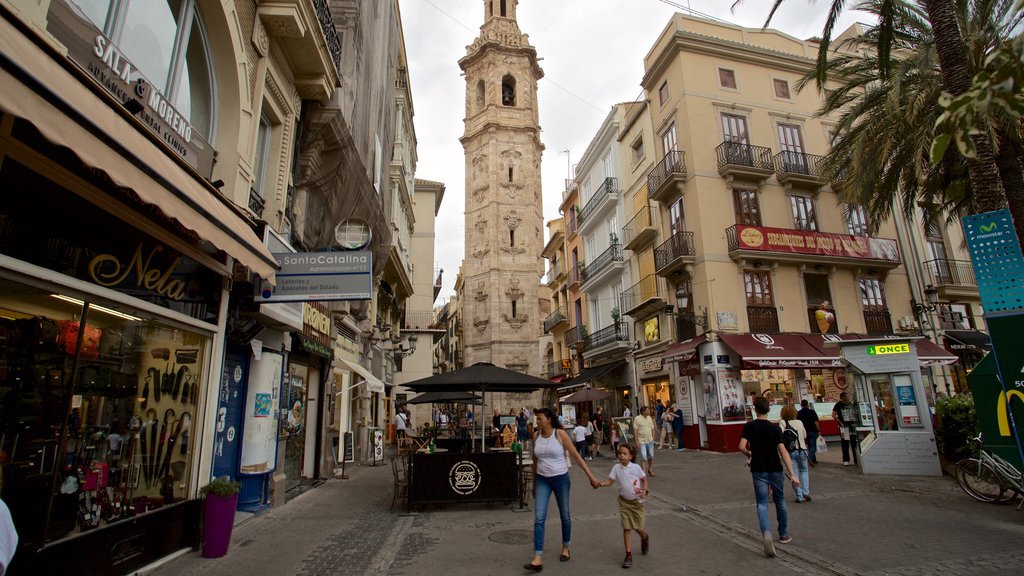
x=790, y=439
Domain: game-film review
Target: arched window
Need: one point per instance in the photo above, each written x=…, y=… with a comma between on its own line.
x=167, y=42
x=508, y=90
x=481, y=96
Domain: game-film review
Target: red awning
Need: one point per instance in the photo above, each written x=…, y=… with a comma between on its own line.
x=930, y=354
x=683, y=351
x=760, y=351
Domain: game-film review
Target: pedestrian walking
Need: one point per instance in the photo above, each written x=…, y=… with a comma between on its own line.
x=401, y=423
x=626, y=412
x=599, y=424
x=522, y=431
x=579, y=435
x=791, y=426
x=665, y=434
x=659, y=411
x=551, y=450
x=589, y=439
x=677, y=426
x=842, y=412
x=644, y=429
x=810, y=420
x=632, y=490
x=761, y=442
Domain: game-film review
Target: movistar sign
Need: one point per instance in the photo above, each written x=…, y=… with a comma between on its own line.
x=883, y=349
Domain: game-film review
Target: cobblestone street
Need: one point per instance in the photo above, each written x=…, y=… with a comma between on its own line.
x=700, y=516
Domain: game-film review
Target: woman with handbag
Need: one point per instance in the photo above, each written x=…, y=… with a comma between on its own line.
x=798, y=453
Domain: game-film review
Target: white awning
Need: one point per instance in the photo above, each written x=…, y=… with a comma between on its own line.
x=373, y=384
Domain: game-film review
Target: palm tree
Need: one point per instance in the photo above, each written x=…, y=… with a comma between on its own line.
x=951, y=51
x=886, y=126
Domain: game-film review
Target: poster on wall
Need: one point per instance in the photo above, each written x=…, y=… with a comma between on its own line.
x=712, y=402
x=733, y=400
x=259, y=445
x=378, y=446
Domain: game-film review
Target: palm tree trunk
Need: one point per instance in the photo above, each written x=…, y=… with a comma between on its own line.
x=1008, y=161
x=986, y=186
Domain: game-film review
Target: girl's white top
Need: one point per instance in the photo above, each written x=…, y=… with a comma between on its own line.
x=550, y=455
x=580, y=433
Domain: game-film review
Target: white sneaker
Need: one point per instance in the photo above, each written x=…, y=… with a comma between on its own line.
x=769, y=545
x=846, y=463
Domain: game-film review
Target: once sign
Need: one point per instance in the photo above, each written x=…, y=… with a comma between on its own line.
x=882, y=349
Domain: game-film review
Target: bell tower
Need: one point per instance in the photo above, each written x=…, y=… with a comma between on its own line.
x=504, y=205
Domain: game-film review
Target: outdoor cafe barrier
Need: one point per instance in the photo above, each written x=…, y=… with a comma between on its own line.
x=454, y=478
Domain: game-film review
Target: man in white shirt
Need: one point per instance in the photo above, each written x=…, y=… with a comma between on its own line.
x=626, y=412
x=401, y=423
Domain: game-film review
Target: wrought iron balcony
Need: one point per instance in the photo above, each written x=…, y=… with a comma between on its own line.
x=643, y=298
x=574, y=337
x=323, y=15
x=739, y=160
x=942, y=272
x=602, y=263
x=798, y=168
x=685, y=329
x=608, y=188
x=763, y=319
x=559, y=368
x=640, y=231
x=256, y=203
x=421, y=321
x=576, y=274
x=674, y=254
x=616, y=332
x=306, y=35
x=878, y=322
x=554, y=319
x=555, y=272
x=666, y=179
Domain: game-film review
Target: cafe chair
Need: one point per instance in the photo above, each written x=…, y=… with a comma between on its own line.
x=401, y=476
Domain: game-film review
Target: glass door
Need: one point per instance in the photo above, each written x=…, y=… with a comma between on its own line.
x=294, y=424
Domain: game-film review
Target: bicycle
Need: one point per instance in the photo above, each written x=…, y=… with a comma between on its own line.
x=989, y=478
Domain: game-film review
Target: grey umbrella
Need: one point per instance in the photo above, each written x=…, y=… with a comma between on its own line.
x=482, y=376
x=586, y=395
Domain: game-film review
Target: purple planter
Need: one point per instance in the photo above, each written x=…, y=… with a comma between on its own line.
x=218, y=519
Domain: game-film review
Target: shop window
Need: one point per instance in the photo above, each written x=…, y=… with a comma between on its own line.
x=167, y=41
x=98, y=400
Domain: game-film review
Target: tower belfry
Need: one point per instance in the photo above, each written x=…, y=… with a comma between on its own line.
x=504, y=205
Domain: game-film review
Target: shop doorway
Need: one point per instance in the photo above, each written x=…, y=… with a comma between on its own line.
x=655, y=390
x=230, y=406
x=295, y=397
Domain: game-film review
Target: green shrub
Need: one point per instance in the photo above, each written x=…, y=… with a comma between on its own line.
x=958, y=421
x=222, y=487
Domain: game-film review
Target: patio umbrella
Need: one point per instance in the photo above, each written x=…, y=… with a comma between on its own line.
x=482, y=376
x=445, y=397
x=586, y=395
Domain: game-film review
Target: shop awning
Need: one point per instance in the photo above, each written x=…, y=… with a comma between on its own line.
x=373, y=383
x=37, y=88
x=590, y=374
x=967, y=341
x=766, y=351
x=683, y=351
x=930, y=354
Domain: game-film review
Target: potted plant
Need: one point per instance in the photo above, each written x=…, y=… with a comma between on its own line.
x=613, y=238
x=220, y=498
x=616, y=316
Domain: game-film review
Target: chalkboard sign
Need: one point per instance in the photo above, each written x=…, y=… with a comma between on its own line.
x=347, y=448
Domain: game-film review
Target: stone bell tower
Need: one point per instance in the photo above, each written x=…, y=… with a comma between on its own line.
x=504, y=219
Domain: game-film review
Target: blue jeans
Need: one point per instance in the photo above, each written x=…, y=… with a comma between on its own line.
x=679, y=436
x=646, y=451
x=762, y=482
x=546, y=485
x=812, y=448
x=800, y=462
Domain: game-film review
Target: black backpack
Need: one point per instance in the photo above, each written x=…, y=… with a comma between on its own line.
x=790, y=438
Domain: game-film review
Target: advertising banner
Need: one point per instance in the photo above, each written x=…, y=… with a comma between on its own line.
x=818, y=243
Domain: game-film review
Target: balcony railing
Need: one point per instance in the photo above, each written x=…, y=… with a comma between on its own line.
x=740, y=154
x=639, y=230
x=554, y=319
x=420, y=321
x=787, y=162
x=812, y=319
x=763, y=319
x=670, y=254
x=616, y=332
x=256, y=203
x=878, y=322
x=559, y=368
x=554, y=272
x=323, y=14
x=672, y=168
x=685, y=329
x=597, y=265
x=577, y=273
x=642, y=298
x=610, y=186
x=574, y=336
x=943, y=272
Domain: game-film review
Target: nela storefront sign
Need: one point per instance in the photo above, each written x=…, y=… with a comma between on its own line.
x=784, y=240
x=108, y=270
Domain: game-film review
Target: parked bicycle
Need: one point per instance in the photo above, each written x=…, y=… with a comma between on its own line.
x=989, y=478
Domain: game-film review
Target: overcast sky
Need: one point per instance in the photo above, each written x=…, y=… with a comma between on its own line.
x=592, y=54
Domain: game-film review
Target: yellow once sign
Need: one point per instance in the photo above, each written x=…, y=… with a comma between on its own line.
x=1003, y=409
x=883, y=349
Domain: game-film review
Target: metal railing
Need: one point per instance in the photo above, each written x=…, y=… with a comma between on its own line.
x=678, y=245
x=256, y=202
x=787, y=162
x=685, y=329
x=641, y=220
x=553, y=272
x=645, y=289
x=323, y=14
x=610, y=186
x=763, y=319
x=812, y=320
x=558, y=368
x=577, y=273
x=574, y=336
x=597, y=265
x=616, y=332
x=554, y=319
x=740, y=154
x=942, y=272
x=420, y=320
x=878, y=322
x=674, y=163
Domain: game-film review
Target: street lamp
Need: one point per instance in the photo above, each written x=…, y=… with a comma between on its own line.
x=398, y=349
x=932, y=296
x=682, y=299
x=925, y=310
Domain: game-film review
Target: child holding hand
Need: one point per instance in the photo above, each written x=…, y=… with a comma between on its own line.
x=632, y=491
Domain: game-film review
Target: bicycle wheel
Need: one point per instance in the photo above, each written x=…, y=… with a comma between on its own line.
x=979, y=480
